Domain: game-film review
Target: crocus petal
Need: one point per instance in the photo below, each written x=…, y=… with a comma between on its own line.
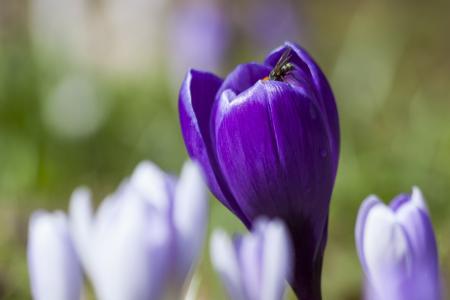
x=363, y=213
x=413, y=215
x=243, y=77
x=276, y=261
x=386, y=247
x=270, y=156
x=55, y=273
x=151, y=183
x=137, y=267
x=81, y=222
x=225, y=261
x=190, y=217
x=414, y=218
x=324, y=96
x=250, y=253
x=256, y=265
x=196, y=102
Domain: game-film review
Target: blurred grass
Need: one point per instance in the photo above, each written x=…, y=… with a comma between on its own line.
x=388, y=65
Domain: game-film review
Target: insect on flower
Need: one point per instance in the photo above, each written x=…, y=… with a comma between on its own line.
x=282, y=68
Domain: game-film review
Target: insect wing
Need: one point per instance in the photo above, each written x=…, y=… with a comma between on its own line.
x=284, y=58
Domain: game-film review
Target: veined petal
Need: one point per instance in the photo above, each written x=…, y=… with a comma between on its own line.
x=55, y=273
x=243, y=77
x=190, y=217
x=273, y=149
x=196, y=102
x=413, y=215
x=324, y=95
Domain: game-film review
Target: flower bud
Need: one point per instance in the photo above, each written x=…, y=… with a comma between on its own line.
x=397, y=249
x=254, y=266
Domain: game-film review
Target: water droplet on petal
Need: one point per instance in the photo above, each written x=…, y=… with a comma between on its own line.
x=323, y=153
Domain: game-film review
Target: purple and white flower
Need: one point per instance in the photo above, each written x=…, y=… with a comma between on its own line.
x=254, y=266
x=397, y=249
x=54, y=270
x=144, y=239
x=269, y=148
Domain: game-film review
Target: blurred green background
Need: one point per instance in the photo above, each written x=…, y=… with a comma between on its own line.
x=88, y=88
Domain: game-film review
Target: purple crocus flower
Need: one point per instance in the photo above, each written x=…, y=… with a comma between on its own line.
x=255, y=266
x=269, y=146
x=397, y=249
x=54, y=270
x=145, y=238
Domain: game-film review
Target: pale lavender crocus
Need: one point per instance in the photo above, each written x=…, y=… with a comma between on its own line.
x=144, y=239
x=54, y=270
x=199, y=34
x=268, y=23
x=397, y=249
x=254, y=266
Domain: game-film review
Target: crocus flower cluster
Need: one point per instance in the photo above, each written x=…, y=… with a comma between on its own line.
x=254, y=266
x=267, y=137
x=397, y=249
x=141, y=243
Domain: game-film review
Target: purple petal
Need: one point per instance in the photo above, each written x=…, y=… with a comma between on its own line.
x=273, y=147
x=417, y=225
x=243, y=77
x=196, y=101
x=398, y=201
x=324, y=96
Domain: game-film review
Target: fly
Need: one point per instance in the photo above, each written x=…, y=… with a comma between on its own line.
x=283, y=67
